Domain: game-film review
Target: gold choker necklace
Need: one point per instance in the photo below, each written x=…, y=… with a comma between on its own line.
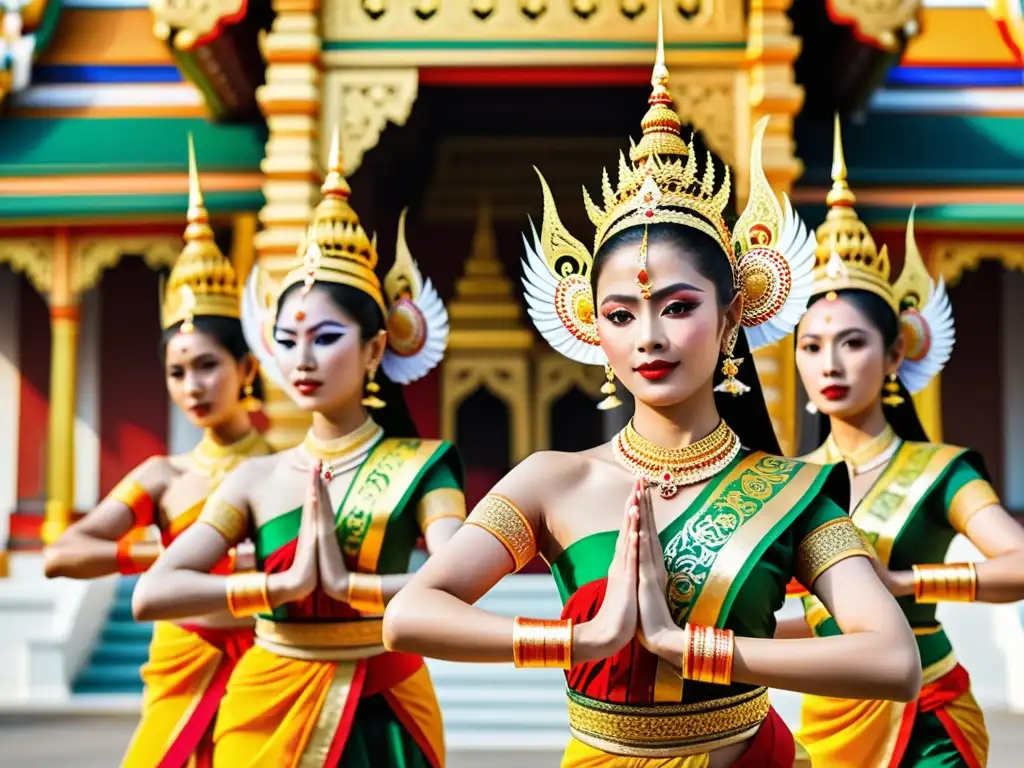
x=343, y=453
x=873, y=454
x=214, y=460
x=672, y=468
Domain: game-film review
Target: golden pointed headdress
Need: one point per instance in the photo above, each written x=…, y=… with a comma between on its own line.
x=846, y=257
x=664, y=183
x=336, y=248
x=203, y=281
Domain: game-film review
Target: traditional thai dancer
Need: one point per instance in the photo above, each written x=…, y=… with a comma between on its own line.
x=212, y=378
x=863, y=348
x=335, y=519
x=669, y=596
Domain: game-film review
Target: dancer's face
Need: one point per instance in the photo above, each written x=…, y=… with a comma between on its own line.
x=666, y=348
x=322, y=355
x=204, y=379
x=842, y=358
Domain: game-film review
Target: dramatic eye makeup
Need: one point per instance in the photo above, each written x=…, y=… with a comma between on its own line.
x=677, y=299
x=326, y=332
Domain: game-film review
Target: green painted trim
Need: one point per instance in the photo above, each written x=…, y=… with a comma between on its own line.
x=47, y=26
x=950, y=216
x=54, y=146
x=917, y=150
x=528, y=45
x=187, y=65
x=71, y=206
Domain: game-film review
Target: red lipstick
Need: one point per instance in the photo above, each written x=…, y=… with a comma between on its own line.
x=656, y=369
x=200, y=411
x=835, y=392
x=306, y=387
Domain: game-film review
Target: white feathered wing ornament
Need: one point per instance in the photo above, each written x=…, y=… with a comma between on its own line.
x=259, y=302
x=417, y=320
x=926, y=319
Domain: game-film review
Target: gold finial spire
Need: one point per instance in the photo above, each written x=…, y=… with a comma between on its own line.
x=661, y=124
x=335, y=184
x=840, y=194
x=198, y=229
x=203, y=281
x=846, y=255
x=914, y=287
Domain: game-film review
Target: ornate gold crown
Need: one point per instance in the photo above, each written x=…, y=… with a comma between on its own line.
x=846, y=257
x=336, y=248
x=203, y=281
x=660, y=187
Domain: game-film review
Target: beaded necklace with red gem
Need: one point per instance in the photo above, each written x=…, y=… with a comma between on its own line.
x=670, y=469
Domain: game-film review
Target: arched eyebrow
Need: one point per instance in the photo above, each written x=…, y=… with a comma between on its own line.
x=658, y=295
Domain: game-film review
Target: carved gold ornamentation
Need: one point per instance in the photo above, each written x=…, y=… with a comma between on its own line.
x=707, y=101
x=951, y=258
x=877, y=22
x=94, y=255
x=31, y=257
x=363, y=102
x=187, y=22
x=554, y=377
x=290, y=99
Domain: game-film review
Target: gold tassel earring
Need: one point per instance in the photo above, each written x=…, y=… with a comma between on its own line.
x=608, y=390
x=249, y=401
x=891, y=389
x=372, y=388
x=731, y=367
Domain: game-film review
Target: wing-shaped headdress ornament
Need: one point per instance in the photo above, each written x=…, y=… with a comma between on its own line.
x=770, y=250
x=337, y=249
x=847, y=259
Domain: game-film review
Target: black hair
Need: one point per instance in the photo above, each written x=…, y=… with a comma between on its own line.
x=902, y=418
x=394, y=418
x=227, y=332
x=746, y=414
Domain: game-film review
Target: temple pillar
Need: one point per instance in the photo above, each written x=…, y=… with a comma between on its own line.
x=290, y=99
x=60, y=445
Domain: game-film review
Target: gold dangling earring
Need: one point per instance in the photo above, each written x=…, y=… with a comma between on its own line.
x=250, y=402
x=892, y=396
x=731, y=367
x=608, y=390
x=372, y=388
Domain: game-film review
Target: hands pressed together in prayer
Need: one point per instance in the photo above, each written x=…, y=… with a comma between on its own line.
x=318, y=560
x=635, y=602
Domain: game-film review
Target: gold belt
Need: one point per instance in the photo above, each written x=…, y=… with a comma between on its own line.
x=667, y=731
x=321, y=641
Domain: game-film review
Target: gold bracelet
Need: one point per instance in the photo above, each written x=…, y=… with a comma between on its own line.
x=247, y=593
x=708, y=654
x=539, y=643
x=941, y=583
x=365, y=593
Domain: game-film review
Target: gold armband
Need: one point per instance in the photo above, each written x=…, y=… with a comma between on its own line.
x=230, y=522
x=502, y=519
x=130, y=493
x=439, y=504
x=972, y=497
x=540, y=643
x=365, y=593
x=707, y=654
x=941, y=583
x=825, y=546
x=247, y=594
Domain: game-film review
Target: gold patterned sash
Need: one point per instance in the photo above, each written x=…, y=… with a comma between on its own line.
x=321, y=640
x=669, y=730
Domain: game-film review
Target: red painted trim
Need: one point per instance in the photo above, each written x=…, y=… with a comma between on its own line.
x=65, y=313
x=34, y=366
x=535, y=76
x=348, y=716
x=1007, y=34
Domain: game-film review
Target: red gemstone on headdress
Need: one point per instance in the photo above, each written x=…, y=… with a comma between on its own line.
x=649, y=214
x=642, y=275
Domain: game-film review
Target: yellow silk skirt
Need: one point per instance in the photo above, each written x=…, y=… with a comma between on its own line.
x=848, y=733
x=180, y=668
x=294, y=713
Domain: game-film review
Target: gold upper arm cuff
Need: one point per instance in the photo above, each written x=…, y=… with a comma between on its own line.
x=438, y=504
x=131, y=493
x=229, y=521
x=503, y=520
x=972, y=497
x=825, y=546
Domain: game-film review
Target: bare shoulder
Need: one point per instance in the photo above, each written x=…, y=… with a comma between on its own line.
x=540, y=480
x=260, y=469
x=155, y=473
